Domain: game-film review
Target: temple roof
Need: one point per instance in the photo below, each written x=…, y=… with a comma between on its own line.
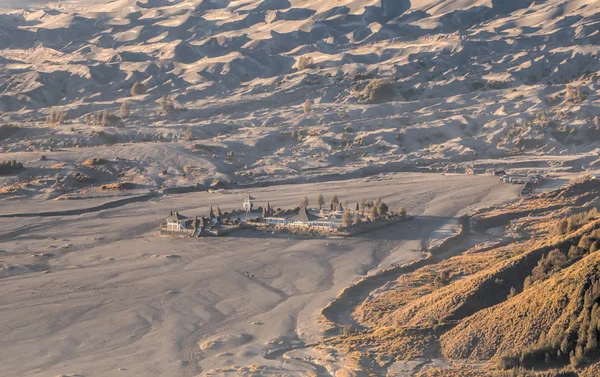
x=303, y=216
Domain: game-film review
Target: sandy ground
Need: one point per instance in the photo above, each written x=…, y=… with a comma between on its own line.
x=101, y=294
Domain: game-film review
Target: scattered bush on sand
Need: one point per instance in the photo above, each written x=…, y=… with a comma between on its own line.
x=575, y=94
x=307, y=107
x=109, y=119
x=124, y=110
x=103, y=118
x=94, y=161
x=166, y=105
x=377, y=90
x=188, y=135
x=138, y=89
x=56, y=117
x=304, y=62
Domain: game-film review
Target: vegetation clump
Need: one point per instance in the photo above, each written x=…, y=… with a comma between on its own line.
x=56, y=117
x=10, y=167
x=575, y=94
x=304, y=62
x=138, y=89
x=7, y=130
x=103, y=118
x=377, y=90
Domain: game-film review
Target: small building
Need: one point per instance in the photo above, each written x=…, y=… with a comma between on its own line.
x=176, y=222
x=248, y=203
x=305, y=218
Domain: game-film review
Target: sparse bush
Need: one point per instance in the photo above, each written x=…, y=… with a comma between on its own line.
x=124, y=111
x=307, y=107
x=575, y=94
x=56, y=117
x=109, y=119
x=304, y=62
x=441, y=280
x=348, y=330
x=188, y=135
x=165, y=105
x=138, y=89
x=377, y=90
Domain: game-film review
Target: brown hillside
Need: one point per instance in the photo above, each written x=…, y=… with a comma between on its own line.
x=538, y=317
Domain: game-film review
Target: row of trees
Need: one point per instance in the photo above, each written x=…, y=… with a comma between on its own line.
x=376, y=209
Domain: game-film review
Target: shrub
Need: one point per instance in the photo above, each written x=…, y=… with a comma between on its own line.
x=348, y=330
x=402, y=211
x=304, y=62
x=124, y=111
x=377, y=90
x=56, y=117
x=382, y=209
x=138, y=89
x=109, y=119
x=307, y=107
x=575, y=94
x=441, y=279
x=357, y=219
x=165, y=105
x=188, y=135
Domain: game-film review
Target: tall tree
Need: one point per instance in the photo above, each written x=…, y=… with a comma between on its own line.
x=334, y=201
x=373, y=213
x=320, y=201
x=382, y=209
x=347, y=219
x=357, y=218
x=304, y=202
